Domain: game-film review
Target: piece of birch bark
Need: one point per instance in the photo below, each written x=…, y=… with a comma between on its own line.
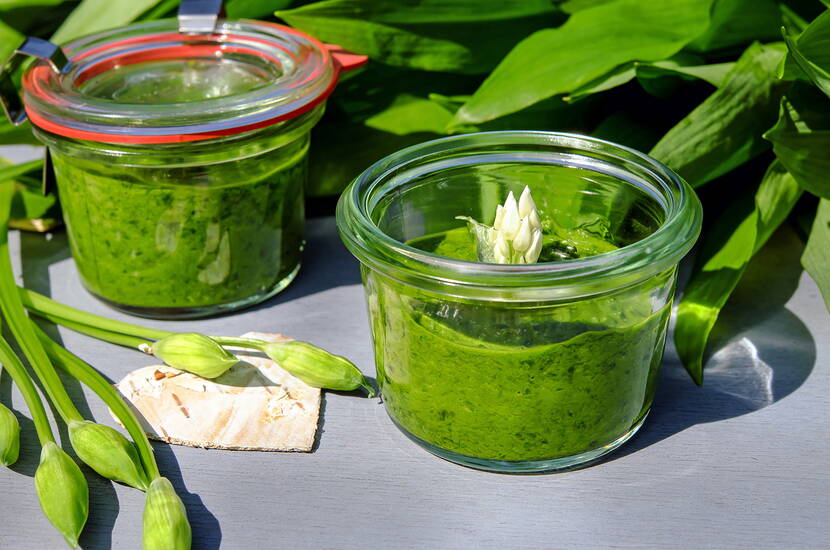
x=256, y=405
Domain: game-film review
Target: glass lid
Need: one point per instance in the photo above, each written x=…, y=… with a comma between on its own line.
x=155, y=83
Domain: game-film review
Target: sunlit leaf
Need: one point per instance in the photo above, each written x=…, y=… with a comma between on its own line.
x=801, y=138
x=714, y=74
x=725, y=131
x=433, y=35
x=590, y=44
x=409, y=114
x=739, y=22
x=727, y=248
x=9, y=40
x=254, y=9
x=816, y=258
x=97, y=15
x=811, y=52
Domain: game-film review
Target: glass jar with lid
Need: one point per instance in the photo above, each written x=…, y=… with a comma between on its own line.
x=180, y=149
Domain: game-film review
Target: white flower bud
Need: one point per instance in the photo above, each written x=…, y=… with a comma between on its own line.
x=523, y=238
x=526, y=204
x=510, y=220
x=499, y=217
x=532, y=253
x=533, y=218
x=502, y=248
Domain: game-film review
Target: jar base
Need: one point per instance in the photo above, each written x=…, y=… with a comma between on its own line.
x=197, y=312
x=552, y=465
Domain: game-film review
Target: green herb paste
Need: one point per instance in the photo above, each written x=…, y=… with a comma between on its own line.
x=169, y=238
x=514, y=382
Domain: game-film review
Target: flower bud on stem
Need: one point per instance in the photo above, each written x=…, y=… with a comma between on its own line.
x=62, y=491
x=9, y=436
x=165, y=518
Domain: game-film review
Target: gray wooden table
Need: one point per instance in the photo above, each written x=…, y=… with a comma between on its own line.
x=739, y=463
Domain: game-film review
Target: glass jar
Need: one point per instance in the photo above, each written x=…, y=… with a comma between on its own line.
x=519, y=368
x=180, y=157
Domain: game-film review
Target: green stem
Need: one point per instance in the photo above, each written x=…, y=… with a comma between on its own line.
x=18, y=373
x=91, y=378
x=40, y=304
x=19, y=323
x=101, y=334
x=238, y=342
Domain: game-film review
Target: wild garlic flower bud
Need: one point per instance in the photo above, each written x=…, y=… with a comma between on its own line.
x=317, y=367
x=192, y=352
x=516, y=235
x=165, y=525
x=9, y=436
x=108, y=452
x=62, y=491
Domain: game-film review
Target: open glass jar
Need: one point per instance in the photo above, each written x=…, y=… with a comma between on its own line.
x=519, y=368
x=179, y=150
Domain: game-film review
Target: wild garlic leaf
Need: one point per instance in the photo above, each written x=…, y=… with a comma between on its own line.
x=253, y=9
x=433, y=35
x=727, y=248
x=739, y=22
x=409, y=114
x=725, y=130
x=9, y=40
x=591, y=43
x=97, y=15
x=816, y=257
x=801, y=138
x=714, y=74
x=811, y=51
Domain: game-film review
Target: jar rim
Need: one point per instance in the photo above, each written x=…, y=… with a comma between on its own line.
x=290, y=73
x=567, y=278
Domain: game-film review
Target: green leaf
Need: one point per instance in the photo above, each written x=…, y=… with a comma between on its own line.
x=816, y=257
x=29, y=203
x=10, y=39
x=409, y=114
x=714, y=74
x=10, y=172
x=726, y=129
x=253, y=9
x=811, y=51
x=15, y=4
x=727, y=248
x=573, y=6
x=590, y=44
x=10, y=134
x=801, y=138
x=434, y=35
x=739, y=22
x=396, y=12
x=97, y=15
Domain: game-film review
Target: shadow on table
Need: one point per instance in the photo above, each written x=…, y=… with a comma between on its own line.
x=763, y=352
x=327, y=264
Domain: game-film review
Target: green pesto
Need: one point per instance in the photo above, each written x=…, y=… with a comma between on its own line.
x=515, y=382
x=459, y=244
x=188, y=237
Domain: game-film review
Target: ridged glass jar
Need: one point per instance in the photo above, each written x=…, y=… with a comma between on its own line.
x=519, y=368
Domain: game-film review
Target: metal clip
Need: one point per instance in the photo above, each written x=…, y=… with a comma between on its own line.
x=34, y=47
x=199, y=16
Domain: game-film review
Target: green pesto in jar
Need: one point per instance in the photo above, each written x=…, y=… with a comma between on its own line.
x=185, y=237
x=512, y=382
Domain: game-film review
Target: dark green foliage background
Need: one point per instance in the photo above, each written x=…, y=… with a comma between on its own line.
x=733, y=94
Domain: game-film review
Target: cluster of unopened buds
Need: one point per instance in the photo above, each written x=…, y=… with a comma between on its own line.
x=516, y=235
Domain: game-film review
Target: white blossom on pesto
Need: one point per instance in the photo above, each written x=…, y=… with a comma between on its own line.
x=516, y=235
